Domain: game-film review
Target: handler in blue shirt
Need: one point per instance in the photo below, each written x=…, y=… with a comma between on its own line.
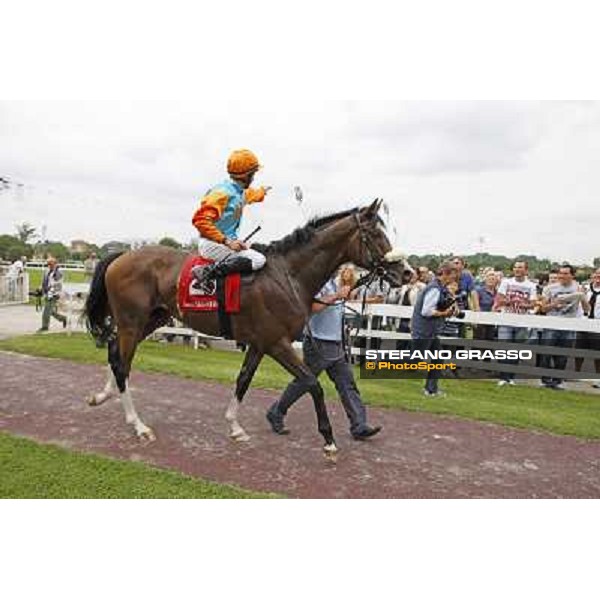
x=324, y=351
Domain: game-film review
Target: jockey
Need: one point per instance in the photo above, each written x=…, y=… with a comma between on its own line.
x=219, y=215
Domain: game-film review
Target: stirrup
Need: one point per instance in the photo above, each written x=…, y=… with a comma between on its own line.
x=202, y=278
x=203, y=272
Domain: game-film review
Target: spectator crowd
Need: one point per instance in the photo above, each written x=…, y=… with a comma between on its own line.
x=555, y=293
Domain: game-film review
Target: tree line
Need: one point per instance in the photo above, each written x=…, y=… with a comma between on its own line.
x=26, y=242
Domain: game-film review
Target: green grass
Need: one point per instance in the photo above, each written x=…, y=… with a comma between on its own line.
x=569, y=413
x=31, y=470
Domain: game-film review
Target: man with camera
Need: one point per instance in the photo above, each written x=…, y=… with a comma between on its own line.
x=51, y=290
x=434, y=304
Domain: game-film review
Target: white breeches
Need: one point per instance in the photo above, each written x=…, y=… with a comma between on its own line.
x=217, y=252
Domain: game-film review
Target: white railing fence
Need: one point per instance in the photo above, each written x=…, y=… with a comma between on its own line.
x=487, y=318
x=387, y=337
x=14, y=290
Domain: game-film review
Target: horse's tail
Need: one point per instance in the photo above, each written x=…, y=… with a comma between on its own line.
x=96, y=311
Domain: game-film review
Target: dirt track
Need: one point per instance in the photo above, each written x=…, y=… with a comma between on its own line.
x=416, y=456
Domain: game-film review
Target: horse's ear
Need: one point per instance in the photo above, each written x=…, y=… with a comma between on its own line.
x=372, y=210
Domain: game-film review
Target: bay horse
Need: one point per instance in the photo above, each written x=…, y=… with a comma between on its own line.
x=134, y=293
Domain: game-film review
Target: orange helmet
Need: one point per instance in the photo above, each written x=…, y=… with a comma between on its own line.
x=242, y=162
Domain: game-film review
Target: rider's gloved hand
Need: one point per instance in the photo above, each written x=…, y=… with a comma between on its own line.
x=236, y=245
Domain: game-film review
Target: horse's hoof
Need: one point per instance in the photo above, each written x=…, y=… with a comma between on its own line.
x=331, y=452
x=98, y=399
x=239, y=436
x=146, y=435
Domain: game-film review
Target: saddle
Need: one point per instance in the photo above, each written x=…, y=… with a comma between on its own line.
x=220, y=295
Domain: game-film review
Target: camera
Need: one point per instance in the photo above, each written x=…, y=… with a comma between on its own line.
x=462, y=302
x=446, y=301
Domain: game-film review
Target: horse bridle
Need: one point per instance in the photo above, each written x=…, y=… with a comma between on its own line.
x=377, y=269
x=377, y=266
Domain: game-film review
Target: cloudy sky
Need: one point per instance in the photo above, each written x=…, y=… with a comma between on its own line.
x=518, y=177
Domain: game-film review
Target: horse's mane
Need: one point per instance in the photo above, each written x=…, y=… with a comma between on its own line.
x=302, y=235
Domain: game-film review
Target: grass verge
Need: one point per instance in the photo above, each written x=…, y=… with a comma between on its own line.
x=32, y=470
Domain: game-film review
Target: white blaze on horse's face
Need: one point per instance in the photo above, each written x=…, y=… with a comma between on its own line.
x=394, y=256
x=401, y=266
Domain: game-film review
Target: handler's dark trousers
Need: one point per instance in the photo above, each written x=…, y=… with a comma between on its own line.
x=328, y=356
x=433, y=344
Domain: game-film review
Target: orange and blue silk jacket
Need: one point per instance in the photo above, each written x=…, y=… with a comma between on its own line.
x=220, y=211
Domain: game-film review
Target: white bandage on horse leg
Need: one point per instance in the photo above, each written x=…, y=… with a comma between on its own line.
x=236, y=431
x=132, y=418
x=108, y=391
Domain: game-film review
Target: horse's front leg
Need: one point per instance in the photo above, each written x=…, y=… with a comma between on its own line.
x=251, y=362
x=285, y=355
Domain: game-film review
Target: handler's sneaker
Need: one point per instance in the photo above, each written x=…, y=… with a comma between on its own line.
x=276, y=421
x=438, y=394
x=503, y=382
x=366, y=433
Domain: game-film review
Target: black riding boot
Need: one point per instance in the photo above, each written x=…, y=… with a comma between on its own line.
x=233, y=264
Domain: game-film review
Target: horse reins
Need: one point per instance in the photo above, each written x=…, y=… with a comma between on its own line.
x=377, y=270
